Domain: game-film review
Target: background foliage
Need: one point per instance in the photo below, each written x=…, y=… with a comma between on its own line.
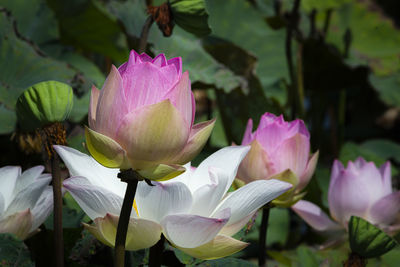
x=341, y=74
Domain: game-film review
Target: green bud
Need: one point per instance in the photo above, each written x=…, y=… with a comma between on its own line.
x=44, y=103
x=191, y=15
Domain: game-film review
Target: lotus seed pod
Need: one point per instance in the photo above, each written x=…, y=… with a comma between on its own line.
x=44, y=103
x=191, y=15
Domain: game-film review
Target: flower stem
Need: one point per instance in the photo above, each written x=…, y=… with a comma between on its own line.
x=124, y=217
x=57, y=197
x=155, y=257
x=145, y=33
x=263, y=236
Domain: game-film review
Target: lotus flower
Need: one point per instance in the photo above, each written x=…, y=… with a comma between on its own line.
x=193, y=211
x=143, y=117
x=360, y=190
x=26, y=200
x=281, y=150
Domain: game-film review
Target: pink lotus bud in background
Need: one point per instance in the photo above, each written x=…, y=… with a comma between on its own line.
x=360, y=190
x=281, y=150
x=143, y=117
x=26, y=200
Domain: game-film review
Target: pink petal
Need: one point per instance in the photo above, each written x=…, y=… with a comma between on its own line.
x=198, y=137
x=372, y=179
x=190, y=231
x=134, y=59
x=385, y=210
x=111, y=106
x=145, y=84
x=314, y=216
x=153, y=134
x=292, y=154
x=337, y=169
x=271, y=136
x=160, y=60
x=360, y=162
x=181, y=97
x=255, y=165
x=308, y=172
x=94, y=99
x=145, y=58
x=348, y=195
x=177, y=63
x=386, y=178
x=298, y=126
x=248, y=135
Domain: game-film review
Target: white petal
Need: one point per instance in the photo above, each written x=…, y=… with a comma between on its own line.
x=221, y=246
x=27, y=177
x=95, y=201
x=249, y=198
x=8, y=175
x=42, y=208
x=156, y=202
x=227, y=159
x=27, y=197
x=80, y=164
x=2, y=205
x=190, y=231
x=207, y=197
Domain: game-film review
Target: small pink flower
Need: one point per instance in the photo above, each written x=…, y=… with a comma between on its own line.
x=360, y=190
x=278, y=146
x=143, y=116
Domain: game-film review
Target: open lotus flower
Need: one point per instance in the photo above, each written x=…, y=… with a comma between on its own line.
x=280, y=150
x=143, y=118
x=193, y=211
x=25, y=200
x=360, y=190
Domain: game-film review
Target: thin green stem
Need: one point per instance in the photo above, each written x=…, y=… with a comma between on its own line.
x=57, y=198
x=263, y=237
x=155, y=257
x=123, y=222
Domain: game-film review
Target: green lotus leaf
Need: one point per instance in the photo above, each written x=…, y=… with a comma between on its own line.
x=191, y=15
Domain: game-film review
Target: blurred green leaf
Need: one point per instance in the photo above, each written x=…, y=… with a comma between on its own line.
x=374, y=42
x=307, y=257
x=13, y=252
x=201, y=66
x=38, y=22
x=377, y=151
x=191, y=15
x=87, y=25
x=322, y=175
x=22, y=65
x=278, y=227
x=227, y=262
x=251, y=33
x=387, y=87
x=309, y=5
x=367, y=240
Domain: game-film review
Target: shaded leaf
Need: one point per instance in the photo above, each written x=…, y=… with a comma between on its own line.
x=22, y=67
x=367, y=240
x=85, y=24
x=227, y=262
x=13, y=252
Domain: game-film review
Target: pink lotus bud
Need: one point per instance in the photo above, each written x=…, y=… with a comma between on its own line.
x=360, y=190
x=143, y=117
x=279, y=149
